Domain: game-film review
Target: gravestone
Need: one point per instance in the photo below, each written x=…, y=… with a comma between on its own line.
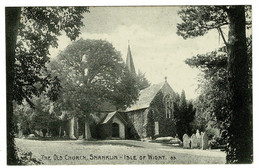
x=186, y=141
x=194, y=141
x=205, y=140
x=198, y=138
x=40, y=133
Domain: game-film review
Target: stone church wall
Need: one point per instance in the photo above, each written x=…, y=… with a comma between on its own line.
x=166, y=125
x=143, y=120
x=138, y=121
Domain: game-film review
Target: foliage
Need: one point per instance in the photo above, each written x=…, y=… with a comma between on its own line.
x=202, y=117
x=198, y=20
x=184, y=114
x=212, y=132
x=215, y=143
x=180, y=121
x=226, y=87
x=29, y=34
x=142, y=82
x=38, y=30
x=25, y=158
x=126, y=91
x=92, y=71
x=40, y=117
x=212, y=104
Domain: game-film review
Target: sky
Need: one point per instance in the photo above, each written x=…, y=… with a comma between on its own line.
x=156, y=48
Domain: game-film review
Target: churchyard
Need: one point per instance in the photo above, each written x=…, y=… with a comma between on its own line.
x=200, y=141
x=79, y=152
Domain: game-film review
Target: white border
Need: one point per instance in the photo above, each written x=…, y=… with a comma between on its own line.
x=123, y=3
x=256, y=60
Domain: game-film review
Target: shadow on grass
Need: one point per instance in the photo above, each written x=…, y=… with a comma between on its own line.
x=110, y=142
x=166, y=144
x=49, y=138
x=85, y=142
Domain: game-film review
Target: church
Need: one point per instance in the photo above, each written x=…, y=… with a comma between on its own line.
x=151, y=116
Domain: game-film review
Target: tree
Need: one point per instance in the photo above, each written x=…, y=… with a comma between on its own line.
x=126, y=90
x=196, y=22
x=142, y=82
x=240, y=130
x=41, y=117
x=184, y=114
x=201, y=118
x=12, y=22
x=29, y=34
x=92, y=71
x=183, y=101
x=212, y=104
x=212, y=107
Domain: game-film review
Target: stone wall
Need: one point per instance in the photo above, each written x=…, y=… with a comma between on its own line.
x=166, y=125
x=138, y=120
x=143, y=120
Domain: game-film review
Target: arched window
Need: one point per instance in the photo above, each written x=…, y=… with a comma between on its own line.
x=168, y=100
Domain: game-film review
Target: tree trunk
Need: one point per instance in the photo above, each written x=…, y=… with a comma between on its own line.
x=76, y=128
x=87, y=129
x=12, y=17
x=71, y=129
x=60, y=131
x=239, y=137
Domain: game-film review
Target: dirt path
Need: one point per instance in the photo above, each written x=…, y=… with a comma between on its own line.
x=116, y=152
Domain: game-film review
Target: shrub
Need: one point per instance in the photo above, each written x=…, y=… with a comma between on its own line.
x=25, y=158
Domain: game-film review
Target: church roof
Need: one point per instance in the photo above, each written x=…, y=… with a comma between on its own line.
x=109, y=116
x=146, y=97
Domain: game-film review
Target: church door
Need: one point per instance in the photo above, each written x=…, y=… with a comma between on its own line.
x=115, y=130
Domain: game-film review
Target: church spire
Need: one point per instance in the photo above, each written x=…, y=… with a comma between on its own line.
x=129, y=61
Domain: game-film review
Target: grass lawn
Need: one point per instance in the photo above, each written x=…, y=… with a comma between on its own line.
x=78, y=152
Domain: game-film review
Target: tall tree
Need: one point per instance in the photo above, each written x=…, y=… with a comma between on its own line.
x=183, y=101
x=196, y=22
x=92, y=71
x=126, y=90
x=29, y=34
x=240, y=130
x=12, y=22
x=213, y=100
x=184, y=113
x=142, y=82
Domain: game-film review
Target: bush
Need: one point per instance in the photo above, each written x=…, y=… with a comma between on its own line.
x=216, y=143
x=212, y=132
x=25, y=158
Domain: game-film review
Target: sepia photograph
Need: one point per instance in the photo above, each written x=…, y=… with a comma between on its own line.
x=129, y=85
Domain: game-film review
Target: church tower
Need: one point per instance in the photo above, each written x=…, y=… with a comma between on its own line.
x=129, y=61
